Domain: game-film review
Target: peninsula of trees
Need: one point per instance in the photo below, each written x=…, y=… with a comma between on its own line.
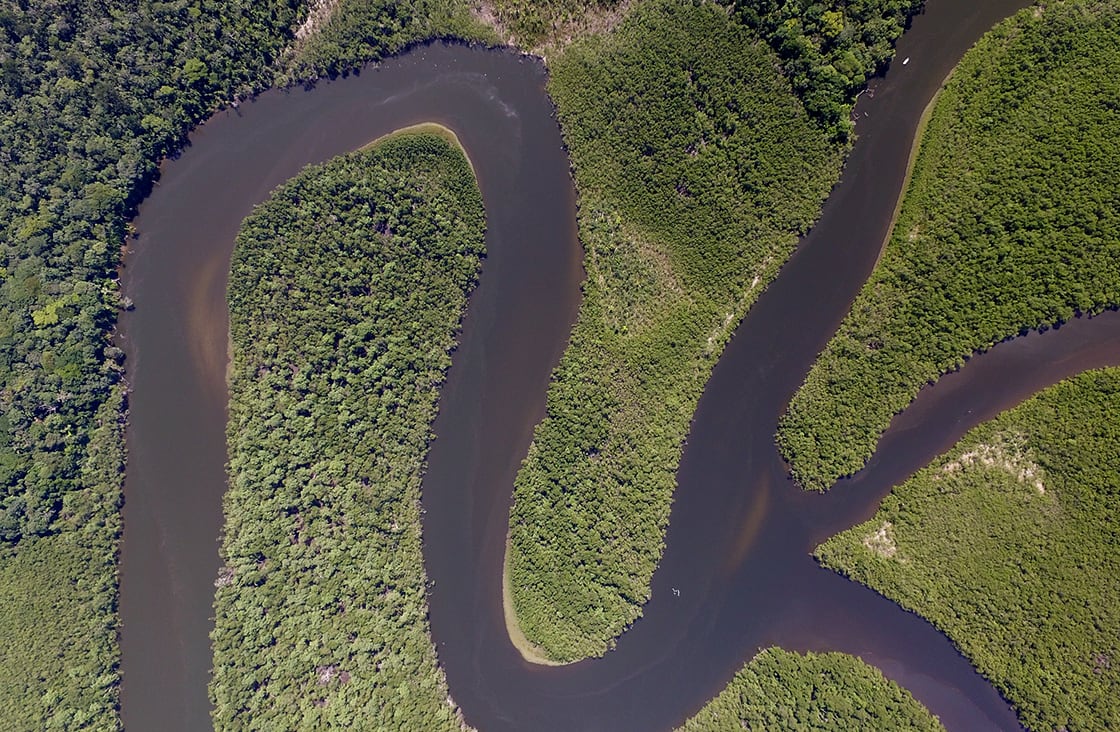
x=779, y=690
x=698, y=166
x=346, y=291
x=1010, y=223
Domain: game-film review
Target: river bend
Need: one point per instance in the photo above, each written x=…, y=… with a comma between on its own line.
x=740, y=534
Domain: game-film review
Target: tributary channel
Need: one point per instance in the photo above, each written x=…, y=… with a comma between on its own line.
x=740, y=533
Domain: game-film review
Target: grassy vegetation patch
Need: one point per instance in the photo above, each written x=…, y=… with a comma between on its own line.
x=1011, y=222
x=779, y=690
x=1009, y=544
x=697, y=169
x=346, y=291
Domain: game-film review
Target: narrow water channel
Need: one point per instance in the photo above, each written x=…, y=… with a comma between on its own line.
x=740, y=532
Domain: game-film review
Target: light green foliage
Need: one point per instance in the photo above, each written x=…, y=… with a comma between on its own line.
x=779, y=690
x=1011, y=222
x=697, y=169
x=1009, y=544
x=357, y=31
x=346, y=290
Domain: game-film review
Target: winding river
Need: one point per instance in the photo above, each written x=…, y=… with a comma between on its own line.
x=740, y=535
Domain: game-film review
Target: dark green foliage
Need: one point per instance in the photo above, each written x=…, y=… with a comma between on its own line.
x=697, y=169
x=1010, y=223
x=1009, y=543
x=779, y=690
x=93, y=94
x=829, y=49
x=357, y=31
x=346, y=291
x=58, y=603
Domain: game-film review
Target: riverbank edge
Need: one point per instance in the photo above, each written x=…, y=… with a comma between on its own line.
x=915, y=147
x=529, y=651
x=423, y=128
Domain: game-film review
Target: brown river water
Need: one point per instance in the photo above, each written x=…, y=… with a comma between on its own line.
x=740, y=534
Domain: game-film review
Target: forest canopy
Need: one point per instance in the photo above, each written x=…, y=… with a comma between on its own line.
x=779, y=690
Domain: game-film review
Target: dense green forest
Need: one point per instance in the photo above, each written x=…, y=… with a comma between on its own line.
x=829, y=49
x=697, y=168
x=1009, y=543
x=346, y=290
x=92, y=94
x=58, y=594
x=1010, y=223
x=779, y=690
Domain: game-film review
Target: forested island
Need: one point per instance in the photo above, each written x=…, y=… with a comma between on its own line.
x=698, y=165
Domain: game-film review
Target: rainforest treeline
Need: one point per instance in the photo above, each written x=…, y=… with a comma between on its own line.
x=1009, y=544
x=346, y=291
x=1011, y=222
x=92, y=96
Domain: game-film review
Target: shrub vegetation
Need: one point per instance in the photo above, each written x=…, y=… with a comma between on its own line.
x=1010, y=223
x=356, y=31
x=346, y=291
x=1009, y=544
x=779, y=690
